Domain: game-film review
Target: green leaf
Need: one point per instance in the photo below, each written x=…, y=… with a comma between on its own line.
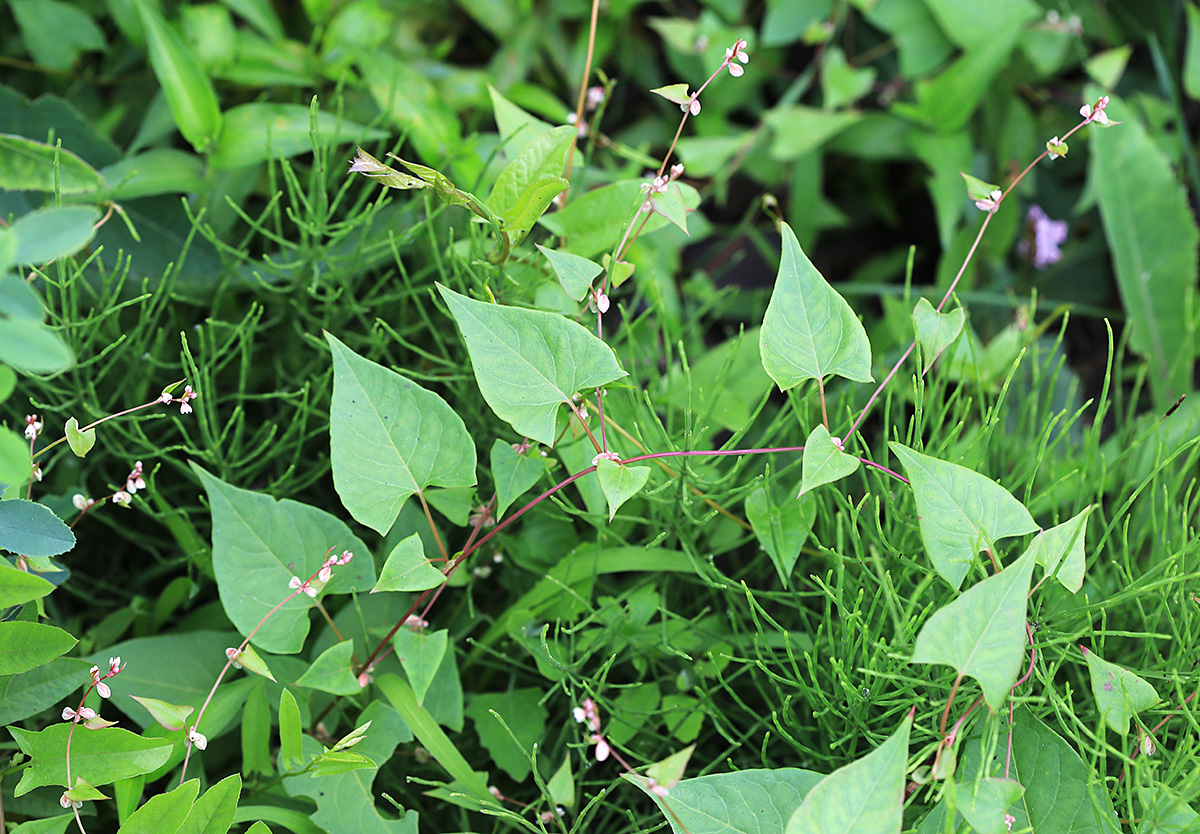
x=81, y=442
x=1119, y=693
x=842, y=84
x=961, y=512
x=809, y=331
x=1163, y=812
x=55, y=232
x=676, y=93
x=83, y=792
x=670, y=205
x=372, y=168
x=561, y=785
x=346, y=800
x=455, y=504
x=256, y=734
x=26, y=165
x=32, y=348
x=781, y=529
x=171, y=716
x=390, y=438
x=40, y=688
x=97, y=756
x=261, y=827
x=253, y=663
x=57, y=32
x=331, y=672
x=864, y=797
x=1191, y=61
x=157, y=171
x=517, y=127
x=164, y=813
x=426, y=730
x=824, y=462
x=264, y=130
x=25, y=646
x=522, y=713
x=514, y=473
x=420, y=655
x=291, y=736
x=259, y=544
x=1107, y=67
x=530, y=205
x=18, y=587
x=542, y=157
x=669, y=771
x=407, y=569
x=18, y=299
x=50, y=825
x=184, y=83
x=746, y=802
x=982, y=633
x=936, y=331
x=1064, y=544
x=213, y=812
x=574, y=273
x=620, y=482
x=1153, y=238
x=799, y=129
x=593, y=222
x=528, y=362
x=984, y=803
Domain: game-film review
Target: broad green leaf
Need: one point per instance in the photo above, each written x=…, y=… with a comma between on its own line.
x=676, y=93
x=799, y=129
x=517, y=127
x=407, y=569
x=56, y=32
x=97, y=756
x=781, y=529
x=256, y=734
x=420, y=655
x=25, y=646
x=171, y=716
x=84, y=792
x=671, y=206
x=669, y=772
x=18, y=298
x=26, y=165
x=263, y=130
x=809, y=331
x=864, y=797
x=961, y=512
x=970, y=25
x=331, y=671
x=523, y=714
x=561, y=785
x=164, y=813
x=186, y=86
x=31, y=347
x=978, y=189
x=620, y=482
x=543, y=157
x=1191, y=61
x=1064, y=544
x=513, y=473
x=982, y=633
x=1154, y=242
x=81, y=442
x=1163, y=812
x=528, y=362
x=984, y=803
x=259, y=544
x=455, y=504
x=411, y=100
x=8, y=377
x=18, y=586
x=213, y=812
x=426, y=730
x=157, y=171
x=291, y=735
x=55, y=232
x=1119, y=693
x=594, y=221
x=346, y=801
x=1106, y=68
x=574, y=273
x=936, y=331
x=50, y=825
x=530, y=205
x=390, y=438
x=824, y=462
x=746, y=802
x=842, y=84
x=252, y=662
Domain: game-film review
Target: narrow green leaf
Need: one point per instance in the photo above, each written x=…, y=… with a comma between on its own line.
x=256, y=734
x=290, y=733
x=781, y=529
x=97, y=756
x=676, y=93
x=824, y=462
x=186, y=86
x=982, y=633
x=809, y=331
x=33, y=529
x=574, y=273
x=1119, y=693
x=961, y=512
x=164, y=813
x=420, y=655
x=213, y=812
x=54, y=232
x=514, y=473
x=372, y=168
x=936, y=331
x=18, y=587
x=1191, y=61
x=746, y=802
x=620, y=482
x=261, y=130
x=81, y=442
x=528, y=362
x=407, y=569
x=1064, y=544
x=864, y=797
x=331, y=671
x=390, y=438
x=1154, y=242
x=26, y=165
x=542, y=157
x=171, y=716
x=440, y=748
x=252, y=662
x=25, y=646
x=523, y=716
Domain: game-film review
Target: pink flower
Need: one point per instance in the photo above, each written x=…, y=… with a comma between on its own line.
x=737, y=51
x=595, y=97
x=134, y=482
x=1096, y=113
x=102, y=690
x=33, y=426
x=114, y=666
x=602, y=748
x=345, y=558
x=412, y=621
x=365, y=679
x=1009, y=819
x=692, y=105
x=234, y=655
x=81, y=502
x=85, y=713
x=655, y=788
x=296, y=585
x=991, y=201
x=188, y=394
x=1047, y=235
x=122, y=497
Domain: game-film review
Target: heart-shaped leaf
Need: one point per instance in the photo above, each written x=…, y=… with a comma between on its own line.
x=620, y=482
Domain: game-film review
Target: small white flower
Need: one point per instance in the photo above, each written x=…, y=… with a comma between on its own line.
x=122, y=497
x=69, y=803
x=33, y=426
x=102, y=690
x=233, y=655
x=197, y=739
x=602, y=748
x=81, y=501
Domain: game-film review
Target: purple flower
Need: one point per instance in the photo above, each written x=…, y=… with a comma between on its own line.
x=1048, y=235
